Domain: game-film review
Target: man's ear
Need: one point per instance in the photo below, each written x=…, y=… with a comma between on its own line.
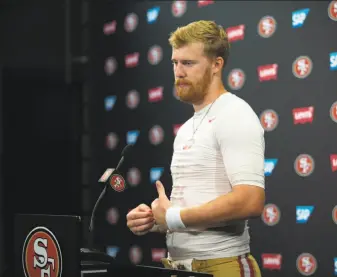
x=218, y=65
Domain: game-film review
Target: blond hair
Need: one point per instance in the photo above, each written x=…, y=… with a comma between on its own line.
x=213, y=36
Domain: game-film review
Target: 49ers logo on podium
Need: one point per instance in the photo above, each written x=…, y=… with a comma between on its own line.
x=117, y=182
x=41, y=254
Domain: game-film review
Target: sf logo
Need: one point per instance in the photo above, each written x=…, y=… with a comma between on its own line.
x=41, y=254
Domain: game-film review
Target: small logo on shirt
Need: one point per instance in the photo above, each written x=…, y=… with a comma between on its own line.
x=210, y=120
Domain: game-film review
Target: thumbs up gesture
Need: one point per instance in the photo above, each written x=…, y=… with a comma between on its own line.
x=160, y=205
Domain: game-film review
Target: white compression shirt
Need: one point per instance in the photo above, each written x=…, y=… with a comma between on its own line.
x=228, y=150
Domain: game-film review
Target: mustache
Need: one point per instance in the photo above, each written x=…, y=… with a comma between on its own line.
x=182, y=82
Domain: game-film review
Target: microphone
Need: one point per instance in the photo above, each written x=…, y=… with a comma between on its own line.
x=112, y=178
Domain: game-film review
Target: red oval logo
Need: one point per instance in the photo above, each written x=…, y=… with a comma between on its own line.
x=334, y=214
x=178, y=8
x=302, y=67
x=130, y=22
x=306, y=264
x=332, y=10
x=155, y=55
x=156, y=135
x=333, y=111
x=271, y=214
x=269, y=120
x=267, y=26
x=117, y=182
x=304, y=165
x=41, y=254
x=236, y=79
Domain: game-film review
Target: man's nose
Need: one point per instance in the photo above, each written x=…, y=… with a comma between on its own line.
x=179, y=72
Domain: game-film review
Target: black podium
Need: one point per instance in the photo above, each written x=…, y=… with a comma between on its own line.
x=50, y=245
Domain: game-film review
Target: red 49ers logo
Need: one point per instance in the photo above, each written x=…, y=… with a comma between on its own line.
x=117, y=182
x=41, y=254
x=304, y=165
x=306, y=264
x=271, y=215
x=302, y=67
x=269, y=120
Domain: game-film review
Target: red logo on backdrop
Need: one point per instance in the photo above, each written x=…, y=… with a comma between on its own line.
x=269, y=120
x=303, y=115
x=267, y=26
x=130, y=22
x=156, y=135
x=236, y=33
x=176, y=128
x=112, y=216
x=135, y=254
x=267, y=72
x=131, y=60
x=155, y=55
x=117, y=182
x=110, y=66
x=271, y=215
x=156, y=94
x=302, y=67
x=236, y=79
x=333, y=159
x=133, y=176
x=110, y=27
x=111, y=141
x=333, y=111
x=304, y=165
x=203, y=3
x=272, y=261
x=132, y=99
x=334, y=214
x=158, y=254
x=41, y=254
x=306, y=264
x=332, y=10
x=178, y=8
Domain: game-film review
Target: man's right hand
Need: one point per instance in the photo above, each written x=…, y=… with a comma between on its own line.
x=140, y=220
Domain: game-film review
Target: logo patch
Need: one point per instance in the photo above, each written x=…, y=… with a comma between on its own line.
x=117, y=182
x=303, y=213
x=298, y=17
x=267, y=26
x=236, y=79
x=304, y=165
x=269, y=166
x=333, y=111
x=306, y=264
x=302, y=67
x=178, y=8
x=269, y=120
x=271, y=215
x=332, y=10
x=41, y=254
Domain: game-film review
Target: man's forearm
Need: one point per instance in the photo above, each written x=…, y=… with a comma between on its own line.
x=224, y=208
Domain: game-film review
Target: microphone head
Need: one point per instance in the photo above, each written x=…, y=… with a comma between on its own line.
x=127, y=149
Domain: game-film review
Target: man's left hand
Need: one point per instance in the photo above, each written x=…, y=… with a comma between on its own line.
x=160, y=205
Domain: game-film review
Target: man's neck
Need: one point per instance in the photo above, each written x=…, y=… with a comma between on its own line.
x=210, y=97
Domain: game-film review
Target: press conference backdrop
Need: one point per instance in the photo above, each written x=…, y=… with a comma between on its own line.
x=283, y=62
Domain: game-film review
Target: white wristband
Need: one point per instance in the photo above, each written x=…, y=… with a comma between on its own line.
x=173, y=219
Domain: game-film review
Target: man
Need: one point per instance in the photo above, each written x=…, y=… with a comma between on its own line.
x=217, y=165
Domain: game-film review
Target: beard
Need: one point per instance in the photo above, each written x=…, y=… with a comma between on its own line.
x=193, y=93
